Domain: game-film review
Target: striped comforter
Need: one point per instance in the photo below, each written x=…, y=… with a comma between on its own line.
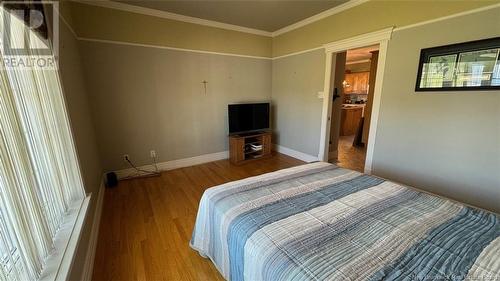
x=321, y=222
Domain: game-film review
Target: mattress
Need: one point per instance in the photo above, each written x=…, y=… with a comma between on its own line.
x=321, y=222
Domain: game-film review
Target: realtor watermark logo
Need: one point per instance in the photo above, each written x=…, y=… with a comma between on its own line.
x=29, y=36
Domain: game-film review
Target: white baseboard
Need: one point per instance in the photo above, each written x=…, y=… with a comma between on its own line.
x=294, y=153
x=175, y=164
x=205, y=158
x=88, y=267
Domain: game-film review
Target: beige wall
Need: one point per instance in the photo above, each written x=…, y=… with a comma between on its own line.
x=444, y=142
x=371, y=16
x=83, y=133
x=111, y=24
x=150, y=98
x=296, y=81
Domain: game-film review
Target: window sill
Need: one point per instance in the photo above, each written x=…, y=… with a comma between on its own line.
x=58, y=264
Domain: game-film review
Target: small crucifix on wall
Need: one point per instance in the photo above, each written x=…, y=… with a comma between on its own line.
x=205, y=85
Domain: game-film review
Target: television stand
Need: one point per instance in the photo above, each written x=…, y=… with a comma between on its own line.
x=249, y=146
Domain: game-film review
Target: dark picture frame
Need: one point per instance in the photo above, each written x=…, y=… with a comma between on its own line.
x=450, y=63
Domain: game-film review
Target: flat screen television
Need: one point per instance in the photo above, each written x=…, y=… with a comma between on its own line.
x=248, y=117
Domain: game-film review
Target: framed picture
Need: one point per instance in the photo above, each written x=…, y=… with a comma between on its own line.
x=468, y=66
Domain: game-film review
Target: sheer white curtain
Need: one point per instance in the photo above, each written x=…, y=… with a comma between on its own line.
x=39, y=174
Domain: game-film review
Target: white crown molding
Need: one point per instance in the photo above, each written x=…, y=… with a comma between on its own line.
x=359, y=41
x=332, y=11
x=304, y=22
x=485, y=8
x=173, y=16
x=155, y=46
x=169, y=48
x=396, y=29
x=298, y=53
x=353, y=3
x=320, y=16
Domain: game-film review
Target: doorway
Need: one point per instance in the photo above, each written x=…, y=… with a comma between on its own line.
x=356, y=80
x=352, y=100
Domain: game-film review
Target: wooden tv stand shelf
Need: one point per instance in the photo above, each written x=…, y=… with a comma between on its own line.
x=248, y=147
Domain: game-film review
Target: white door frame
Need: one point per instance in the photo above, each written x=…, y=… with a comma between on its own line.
x=380, y=37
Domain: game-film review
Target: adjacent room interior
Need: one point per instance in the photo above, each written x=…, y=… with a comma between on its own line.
x=249, y=140
x=349, y=134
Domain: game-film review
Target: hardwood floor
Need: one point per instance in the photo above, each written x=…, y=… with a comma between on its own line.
x=146, y=223
x=349, y=156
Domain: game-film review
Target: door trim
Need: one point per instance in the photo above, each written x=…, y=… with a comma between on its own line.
x=380, y=37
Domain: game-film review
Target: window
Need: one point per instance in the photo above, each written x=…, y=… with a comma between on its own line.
x=466, y=66
x=40, y=181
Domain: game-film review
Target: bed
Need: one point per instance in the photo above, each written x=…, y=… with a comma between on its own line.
x=321, y=222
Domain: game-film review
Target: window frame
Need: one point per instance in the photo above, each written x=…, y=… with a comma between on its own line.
x=58, y=262
x=455, y=49
x=58, y=265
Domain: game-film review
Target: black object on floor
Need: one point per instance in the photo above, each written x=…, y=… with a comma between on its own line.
x=111, y=179
x=359, y=134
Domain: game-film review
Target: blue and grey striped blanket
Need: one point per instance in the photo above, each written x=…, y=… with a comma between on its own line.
x=321, y=222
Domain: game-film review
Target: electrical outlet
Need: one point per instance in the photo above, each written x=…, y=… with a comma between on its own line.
x=126, y=158
x=152, y=153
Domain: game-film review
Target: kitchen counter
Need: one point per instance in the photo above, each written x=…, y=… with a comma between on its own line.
x=353, y=104
x=350, y=118
x=348, y=106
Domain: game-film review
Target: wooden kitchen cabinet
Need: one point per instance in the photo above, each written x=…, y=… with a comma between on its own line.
x=349, y=120
x=357, y=83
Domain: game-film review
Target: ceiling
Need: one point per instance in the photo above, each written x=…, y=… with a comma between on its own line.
x=263, y=15
x=360, y=54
